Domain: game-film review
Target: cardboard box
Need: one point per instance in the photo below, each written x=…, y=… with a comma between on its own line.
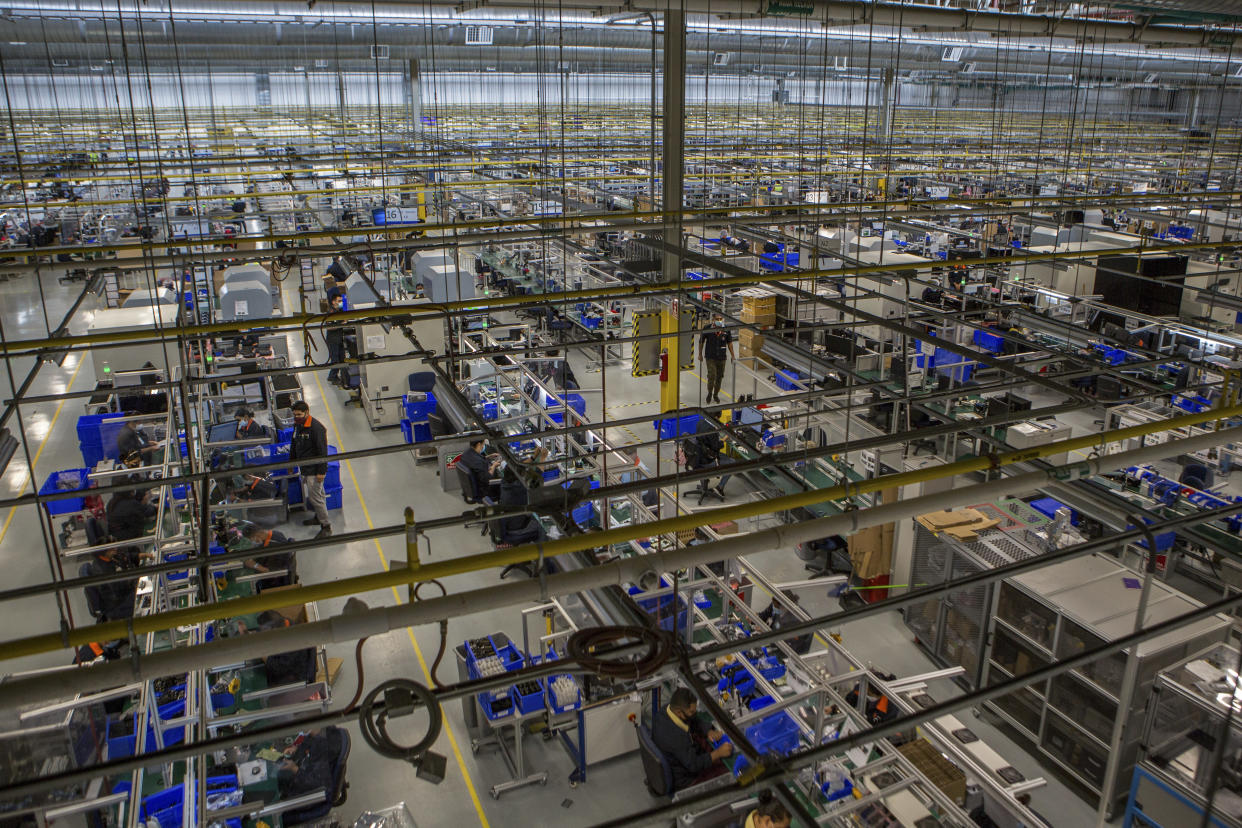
x=963, y=524
x=939, y=771
x=296, y=613
x=871, y=550
x=334, y=670
x=727, y=527
x=756, y=317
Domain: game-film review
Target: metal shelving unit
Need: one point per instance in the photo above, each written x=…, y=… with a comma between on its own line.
x=1187, y=720
x=1058, y=612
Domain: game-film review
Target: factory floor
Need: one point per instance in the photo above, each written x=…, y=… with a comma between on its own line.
x=376, y=490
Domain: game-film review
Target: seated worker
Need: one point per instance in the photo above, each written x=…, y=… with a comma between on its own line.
x=702, y=451
x=879, y=709
x=771, y=813
x=774, y=616
x=293, y=667
x=933, y=294
x=128, y=512
x=517, y=529
x=481, y=470
x=683, y=740
x=133, y=447
x=311, y=764
x=271, y=561
x=113, y=600
x=247, y=428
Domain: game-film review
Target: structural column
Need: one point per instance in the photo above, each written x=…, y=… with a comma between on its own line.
x=672, y=177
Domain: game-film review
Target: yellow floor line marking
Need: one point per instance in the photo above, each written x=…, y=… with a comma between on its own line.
x=39, y=452
x=418, y=652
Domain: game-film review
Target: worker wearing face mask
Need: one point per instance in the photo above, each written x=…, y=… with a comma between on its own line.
x=715, y=344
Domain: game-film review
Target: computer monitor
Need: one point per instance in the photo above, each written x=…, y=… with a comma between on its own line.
x=439, y=426
x=840, y=345
x=222, y=432
x=750, y=416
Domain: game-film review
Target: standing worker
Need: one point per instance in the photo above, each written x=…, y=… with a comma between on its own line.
x=334, y=337
x=714, y=343
x=310, y=443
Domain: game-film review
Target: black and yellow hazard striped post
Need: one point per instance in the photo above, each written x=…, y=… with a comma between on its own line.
x=670, y=380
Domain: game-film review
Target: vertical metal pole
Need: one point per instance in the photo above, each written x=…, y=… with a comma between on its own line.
x=1129, y=678
x=411, y=550
x=672, y=177
x=414, y=99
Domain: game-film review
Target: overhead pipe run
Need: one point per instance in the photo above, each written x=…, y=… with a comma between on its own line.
x=351, y=626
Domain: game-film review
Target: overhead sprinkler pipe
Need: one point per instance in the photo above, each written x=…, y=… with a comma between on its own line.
x=355, y=625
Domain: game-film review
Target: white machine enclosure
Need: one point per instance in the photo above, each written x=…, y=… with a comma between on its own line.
x=143, y=297
x=244, y=300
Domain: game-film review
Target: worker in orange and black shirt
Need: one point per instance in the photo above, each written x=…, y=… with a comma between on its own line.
x=271, y=561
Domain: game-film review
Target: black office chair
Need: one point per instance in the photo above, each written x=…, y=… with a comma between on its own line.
x=1196, y=476
x=659, y=773
x=336, y=795
x=502, y=539
x=825, y=556
x=469, y=492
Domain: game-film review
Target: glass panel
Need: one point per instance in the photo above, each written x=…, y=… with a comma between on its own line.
x=1024, y=706
x=1061, y=740
x=1105, y=672
x=1081, y=702
x=1016, y=657
x=1029, y=617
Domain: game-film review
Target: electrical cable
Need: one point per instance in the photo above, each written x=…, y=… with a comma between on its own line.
x=374, y=725
x=361, y=675
x=582, y=644
x=435, y=665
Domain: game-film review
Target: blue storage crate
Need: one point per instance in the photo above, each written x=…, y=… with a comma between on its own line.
x=418, y=410
x=121, y=747
x=777, y=733
x=590, y=322
x=530, y=702
x=550, y=697
x=760, y=702
x=511, y=657
x=1048, y=506
x=333, y=498
x=846, y=790
x=68, y=504
x=574, y=401
x=489, y=411
x=662, y=607
x=989, y=341
x=669, y=427
x=785, y=380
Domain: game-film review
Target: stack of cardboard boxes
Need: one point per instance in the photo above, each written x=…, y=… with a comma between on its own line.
x=758, y=308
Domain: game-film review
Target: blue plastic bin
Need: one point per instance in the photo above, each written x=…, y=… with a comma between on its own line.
x=989, y=341
x=785, y=380
x=418, y=410
x=531, y=702
x=1048, y=506
x=669, y=427
x=68, y=504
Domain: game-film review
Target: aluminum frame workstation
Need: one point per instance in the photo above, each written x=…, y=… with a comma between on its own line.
x=954, y=304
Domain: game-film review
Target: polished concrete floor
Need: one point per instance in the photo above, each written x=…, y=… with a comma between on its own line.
x=376, y=490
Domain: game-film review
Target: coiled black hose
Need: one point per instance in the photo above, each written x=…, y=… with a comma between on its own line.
x=582, y=645
x=374, y=726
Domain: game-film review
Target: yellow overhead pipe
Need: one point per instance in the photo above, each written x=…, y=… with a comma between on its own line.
x=425, y=571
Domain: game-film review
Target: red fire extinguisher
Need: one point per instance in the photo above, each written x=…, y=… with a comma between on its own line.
x=664, y=366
